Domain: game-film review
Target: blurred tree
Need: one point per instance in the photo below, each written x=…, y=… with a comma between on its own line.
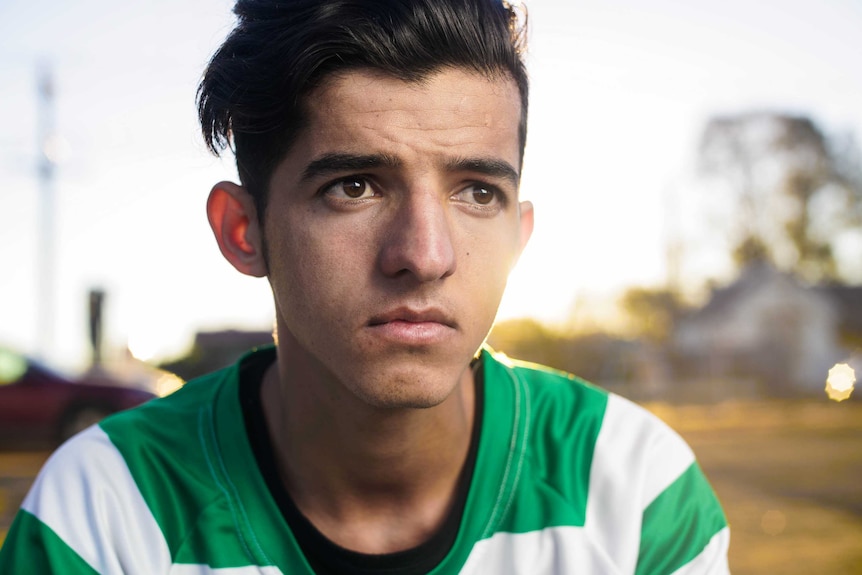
x=597, y=357
x=795, y=190
x=651, y=312
x=529, y=340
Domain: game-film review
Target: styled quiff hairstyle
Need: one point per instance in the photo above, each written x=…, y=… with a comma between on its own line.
x=253, y=91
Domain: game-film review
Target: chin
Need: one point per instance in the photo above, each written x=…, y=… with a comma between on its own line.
x=406, y=391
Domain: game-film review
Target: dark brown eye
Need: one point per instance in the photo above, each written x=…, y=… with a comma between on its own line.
x=483, y=196
x=354, y=188
x=479, y=195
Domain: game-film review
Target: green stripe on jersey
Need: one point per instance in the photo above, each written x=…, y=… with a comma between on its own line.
x=678, y=524
x=54, y=556
x=255, y=516
x=168, y=445
x=192, y=463
x=559, y=420
x=160, y=445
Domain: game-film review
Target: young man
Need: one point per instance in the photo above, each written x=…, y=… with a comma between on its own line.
x=379, y=146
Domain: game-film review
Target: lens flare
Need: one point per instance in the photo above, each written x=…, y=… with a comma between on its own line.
x=840, y=381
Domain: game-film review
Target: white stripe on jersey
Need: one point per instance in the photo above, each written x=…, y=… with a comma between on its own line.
x=712, y=560
x=204, y=570
x=549, y=551
x=624, y=478
x=104, y=520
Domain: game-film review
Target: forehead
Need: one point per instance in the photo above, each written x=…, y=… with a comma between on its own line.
x=452, y=110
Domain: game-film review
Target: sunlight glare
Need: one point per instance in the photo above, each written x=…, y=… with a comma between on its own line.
x=141, y=347
x=839, y=383
x=167, y=383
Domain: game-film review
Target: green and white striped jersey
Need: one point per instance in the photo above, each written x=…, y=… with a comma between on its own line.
x=568, y=480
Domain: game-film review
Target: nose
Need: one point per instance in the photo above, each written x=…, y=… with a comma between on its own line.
x=419, y=240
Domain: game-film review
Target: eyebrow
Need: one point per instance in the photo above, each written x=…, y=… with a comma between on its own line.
x=334, y=163
x=487, y=166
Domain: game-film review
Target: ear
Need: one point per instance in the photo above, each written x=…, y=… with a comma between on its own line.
x=525, y=230
x=233, y=219
x=526, y=210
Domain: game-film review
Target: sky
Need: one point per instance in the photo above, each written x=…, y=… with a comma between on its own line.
x=620, y=90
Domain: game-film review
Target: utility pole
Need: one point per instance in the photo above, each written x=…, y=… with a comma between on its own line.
x=46, y=167
x=96, y=304
x=673, y=243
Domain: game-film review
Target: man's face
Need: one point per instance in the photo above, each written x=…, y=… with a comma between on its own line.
x=391, y=228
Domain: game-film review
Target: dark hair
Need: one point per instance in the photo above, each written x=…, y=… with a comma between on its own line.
x=253, y=90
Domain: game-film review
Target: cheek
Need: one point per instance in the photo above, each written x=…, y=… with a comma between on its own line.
x=315, y=266
x=488, y=260
x=491, y=253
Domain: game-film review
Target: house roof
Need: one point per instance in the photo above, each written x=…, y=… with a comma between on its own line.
x=848, y=300
x=724, y=298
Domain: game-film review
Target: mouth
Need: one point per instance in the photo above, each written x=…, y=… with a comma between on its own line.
x=413, y=326
x=408, y=315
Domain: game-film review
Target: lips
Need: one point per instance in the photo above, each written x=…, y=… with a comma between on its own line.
x=413, y=326
x=408, y=315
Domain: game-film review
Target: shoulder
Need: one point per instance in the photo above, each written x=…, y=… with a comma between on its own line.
x=628, y=480
x=131, y=490
x=106, y=457
x=169, y=428
x=620, y=430
x=86, y=496
x=547, y=388
x=623, y=445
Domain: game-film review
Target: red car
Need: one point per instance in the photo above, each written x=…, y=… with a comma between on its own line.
x=41, y=408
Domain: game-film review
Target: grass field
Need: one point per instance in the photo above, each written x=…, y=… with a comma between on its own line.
x=789, y=474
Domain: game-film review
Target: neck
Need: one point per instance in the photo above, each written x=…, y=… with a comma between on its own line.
x=371, y=479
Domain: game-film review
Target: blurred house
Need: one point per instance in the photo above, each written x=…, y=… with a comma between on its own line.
x=214, y=350
x=768, y=331
x=848, y=301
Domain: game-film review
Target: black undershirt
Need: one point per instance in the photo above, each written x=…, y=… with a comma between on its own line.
x=324, y=556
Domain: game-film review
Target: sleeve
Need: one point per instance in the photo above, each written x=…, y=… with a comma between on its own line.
x=651, y=507
x=85, y=515
x=33, y=547
x=684, y=530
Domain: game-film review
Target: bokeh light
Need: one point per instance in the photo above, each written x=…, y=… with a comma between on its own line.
x=773, y=522
x=840, y=381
